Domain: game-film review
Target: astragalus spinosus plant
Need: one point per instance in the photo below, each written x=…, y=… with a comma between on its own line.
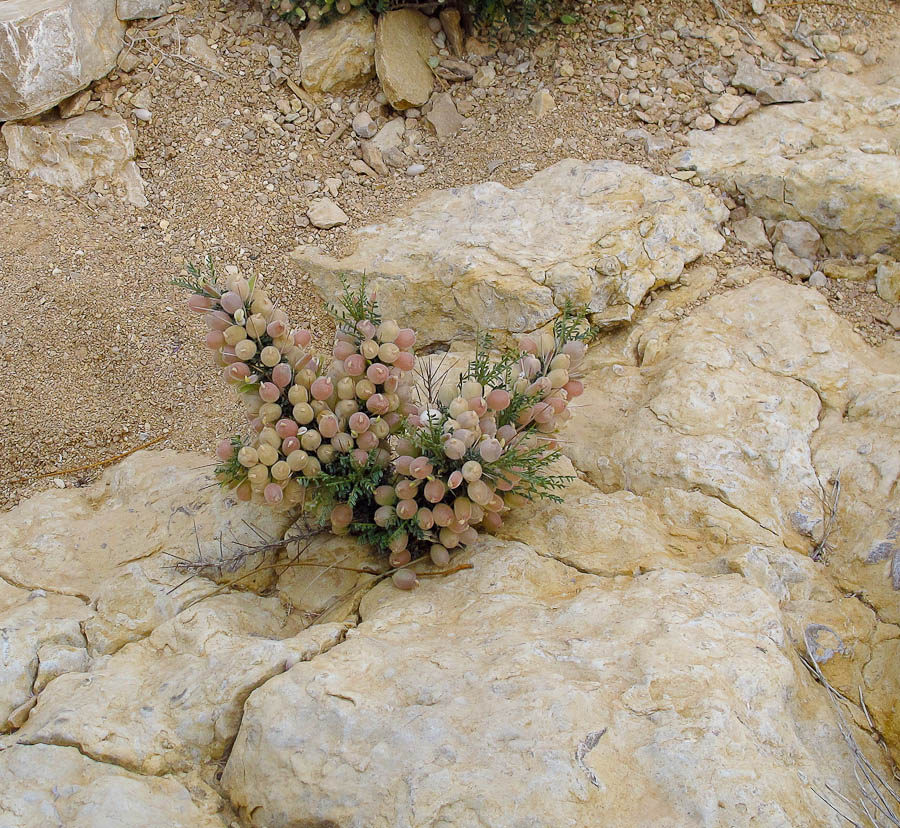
x=408, y=460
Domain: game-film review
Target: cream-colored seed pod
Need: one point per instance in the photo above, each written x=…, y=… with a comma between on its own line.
x=268, y=455
x=296, y=460
x=298, y=394
x=281, y=471
x=270, y=437
x=270, y=356
x=270, y=413
x=245, y=349
x=248, y=457
x=234, y=334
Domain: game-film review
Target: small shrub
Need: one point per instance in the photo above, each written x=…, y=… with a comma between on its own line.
x=518, y=14
x=368, y=444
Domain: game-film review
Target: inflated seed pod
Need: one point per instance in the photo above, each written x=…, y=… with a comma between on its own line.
x=303, y=413
x=268, y=455
x=448, y=538
x=305, y=377
x=342, y=442
x=383, y=515
x=270, y=413
x=248, y=456
x=367, y=441
x=310, y=439
x=406, y=489
x=270, y=436
x=342, y=349
x=479, y=492
x=462, y=509
x=404, y=579
x=326, y=453
x=312, y=468
x=369, y=349
x=281, y=470
x=492, y=521
x=297, y=460
x=380, y=428
x=298, y=394
x=443, y=514
x=435, y=490
x=439, y=554
x=345, y=409
x=258, y=475
x=289, y=444
x=341, y=516
x=406, y=509
x=425, y=518
x=401, y=558
x=471, y=470
x=385, y=495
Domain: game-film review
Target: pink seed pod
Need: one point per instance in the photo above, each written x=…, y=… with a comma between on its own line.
x=377, y=373
x=439, y=555
x=543, y=412
x=276, y=328
x=302, y=337
x=443, y=514
x=231, y=302
x=360, y=457
x=256, y=424
x=289, y=445
x=269, y=392
x=367, y=441
x=491, y=521
x=388, y=353
x=322, y=388
x=273, y=493
x=576, y=350
x=239, y=371
x=383, y=515
x=401, y=558
x=405, y=361
x=404, y=579
x=420, y=468
x=574, y=388
x=393, y=419
x=479, y=492
x=244, y=492
x=229, y=356
x=498, y=400
x=528, y=345
x=341, y=516
x=448, y=538
x=343, y=349
x=525, y=416
x=385, y=495
x=366, y=328
x=218, y=320
x=406, y=509
x=468, y=420
x=199, y=304
x=354, y=365
x=224, y=450
x=468, y=536
x=342, y=442
x=478, y=405
x=286, y=428
x=454, y=449
x=506, y=433
x=490, y=450
x=455, y=480
x=462, y=509
x=329, y=426
x=378, y=404
x=435, y=490
x=359, y=422
x=282, y=375
x=425, y=518
x=391, y=385
x=214, y=340
x=406, y=489
x=402, y=463
x=406, y=338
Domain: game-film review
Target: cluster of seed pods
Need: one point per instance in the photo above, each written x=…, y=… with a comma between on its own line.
x=313, y=10
x=468, y=487
x=302, y=418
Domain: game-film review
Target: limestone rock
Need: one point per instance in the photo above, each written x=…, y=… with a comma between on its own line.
x=325, y=214
x=490, y=258
x=467, y=700
x=751, y=77
x=809, y=162
x=887, y=281
x=790, y=90
x=47, y=785
x=113, y=543
x=751, y=232
x=75, y=152
x=724, y=107
x=339, y=55
x=37, y=622
x=800, y=236
x=789, y=262
x=175, y=698
x=403, y=46
x=542, y=103
x=199, y=49
x=443, y=115
x=138, y=9
x=49, y=49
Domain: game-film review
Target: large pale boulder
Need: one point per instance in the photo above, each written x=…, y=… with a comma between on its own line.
x=523, y=692
x=403, y=47
x=74, y=152
x=492, y=258
x=49, y=49
x=831, y=162
x=46, y=785
x=174, y=699
x=339, y=55
x=114, y=544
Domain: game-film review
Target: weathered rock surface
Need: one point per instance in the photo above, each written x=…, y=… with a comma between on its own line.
x=339, y=55
x=137, y=9
x=403, y=46
x=667, y=699
x=490, y=258
x=49, y=49
x=46, y=785
x=174, y=699
x=113, y=544
x=74, y=152
x=817, y=162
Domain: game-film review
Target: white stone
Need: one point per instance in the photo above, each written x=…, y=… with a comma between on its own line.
x=75, y=152
x=49, y=49
x=138, y=9
x=325, y=214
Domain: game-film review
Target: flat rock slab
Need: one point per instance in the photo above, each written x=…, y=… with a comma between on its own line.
x=523, y=692
x=827, y=162
x=492, y=258
x=46, y=785
x=75, y=152
x=403, y=46
x=49, y=49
